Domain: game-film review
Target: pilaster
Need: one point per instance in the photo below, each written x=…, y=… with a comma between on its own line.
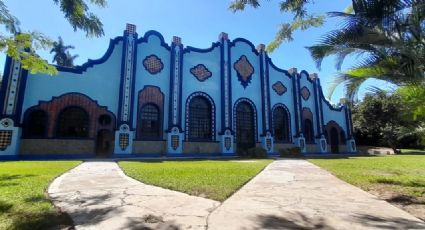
x=125, y=133
x=266, y=137
x=227, y=135
x=11, y=96
x=175, y=132
x=320, y=137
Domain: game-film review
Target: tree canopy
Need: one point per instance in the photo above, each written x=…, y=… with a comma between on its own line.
x=386, y=36
x=62, y=57
x=383, y=119
x=22, y=45
x=302, y=19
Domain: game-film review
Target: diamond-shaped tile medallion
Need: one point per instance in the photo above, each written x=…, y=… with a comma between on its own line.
x=244, y=70
x=153, y=64
x=305, y=93
x=200, y=72
x=279, y=88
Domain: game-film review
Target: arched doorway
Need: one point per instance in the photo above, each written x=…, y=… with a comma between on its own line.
x=73, y=122
x=245, y=128
x=334, y=140
x=104, y=143
x=200, y=119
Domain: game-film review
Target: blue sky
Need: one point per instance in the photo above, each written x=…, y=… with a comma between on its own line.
x=197, y=22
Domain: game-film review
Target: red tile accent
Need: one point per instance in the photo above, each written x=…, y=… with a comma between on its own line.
x=150, y=94
x=57, y=104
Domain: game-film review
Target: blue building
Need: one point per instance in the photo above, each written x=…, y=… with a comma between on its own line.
x=146, y=97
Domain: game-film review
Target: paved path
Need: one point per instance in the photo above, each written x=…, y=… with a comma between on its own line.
x=295, y=194
x=288, y=194
x=97, y=195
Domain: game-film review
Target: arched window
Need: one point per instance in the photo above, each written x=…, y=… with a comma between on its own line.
x=200, y=118
x=73, y=122
x=245, y=126
x=36, y=124
x=281, y=124
x=308, y=131
x=150, y=122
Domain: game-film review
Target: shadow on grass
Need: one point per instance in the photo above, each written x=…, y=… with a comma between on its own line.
x=337, y=156
x=27, y=220
x=5, y=207
x=36, y=199
x=404, y=200
x=8, y=177
x=7, y=180
x=418, y=184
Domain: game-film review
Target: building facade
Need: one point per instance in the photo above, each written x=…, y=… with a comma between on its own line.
x=146, y=97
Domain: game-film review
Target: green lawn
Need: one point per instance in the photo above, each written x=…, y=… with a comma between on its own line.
x=402, y=176
x=214, y=179
x=412, y=151
x=23, y=201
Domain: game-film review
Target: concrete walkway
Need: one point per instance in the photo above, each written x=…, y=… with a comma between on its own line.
x=295, y=194
x=97, y=195
x=288, y=194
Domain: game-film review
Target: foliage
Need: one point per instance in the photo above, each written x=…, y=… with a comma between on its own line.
x=257, y=152
x=22, y=46
x=382, y=119
x=302, y=20
x=23, y=202
x=290, y=152
x=400, y=175
x=214, y=179
x=387, y=37
x=62, y=56
x=413, y=97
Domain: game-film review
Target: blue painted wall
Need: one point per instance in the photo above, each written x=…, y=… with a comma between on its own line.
x=152, y=43
x=275, y=75
x=210, y=58
x=253, y=90
x=100, y=82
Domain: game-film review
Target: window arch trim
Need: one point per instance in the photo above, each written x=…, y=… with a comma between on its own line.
x=159, y=120
x=235, y=106
x=187, y=122
x=58, y=127
x=27, y=117
x=289, y=128
x=308, y=115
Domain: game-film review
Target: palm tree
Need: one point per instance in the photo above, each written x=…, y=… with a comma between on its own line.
x=388, y=37
x=62, y=57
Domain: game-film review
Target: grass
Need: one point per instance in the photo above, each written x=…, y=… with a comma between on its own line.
x=23, y=202
x=214, y=179
x=401, y=176
x=412, y=151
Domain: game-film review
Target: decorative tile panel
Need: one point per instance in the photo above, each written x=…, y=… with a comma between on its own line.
x=227, y=143
x=175, y=141
x=5, y=139
x=201, y=72
x=124, y=140
x=305, y=93
x=279, y=88
x=153, y=64
x=244, y=70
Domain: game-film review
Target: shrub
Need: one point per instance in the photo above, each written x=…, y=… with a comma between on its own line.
x=257, y=152
x=290, y=152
